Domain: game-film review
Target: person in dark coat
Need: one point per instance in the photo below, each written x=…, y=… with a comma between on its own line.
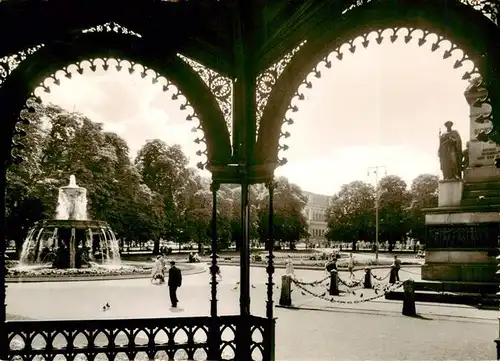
x=331, y=264
x=174, y=282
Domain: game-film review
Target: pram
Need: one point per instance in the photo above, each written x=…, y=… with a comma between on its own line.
x=158, y=275
x=158, y=279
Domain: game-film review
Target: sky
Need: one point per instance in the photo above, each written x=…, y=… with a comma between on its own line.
x=381, y=106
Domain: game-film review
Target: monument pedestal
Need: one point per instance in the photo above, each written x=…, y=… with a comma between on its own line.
x=462, y=233
x=482, y=174
x=450, y=193
x=461, y=245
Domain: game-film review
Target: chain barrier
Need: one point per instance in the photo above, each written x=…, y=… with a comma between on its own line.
x=357, y=283
x=381, y=278
x=334, y=300
x=313, y=283
x=353, y=284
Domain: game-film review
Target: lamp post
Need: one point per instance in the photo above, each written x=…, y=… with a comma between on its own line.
x=375, y=170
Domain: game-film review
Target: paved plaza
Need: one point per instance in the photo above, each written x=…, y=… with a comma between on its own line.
x=318, y=330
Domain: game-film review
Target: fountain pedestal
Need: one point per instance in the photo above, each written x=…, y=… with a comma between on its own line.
x=72, y=249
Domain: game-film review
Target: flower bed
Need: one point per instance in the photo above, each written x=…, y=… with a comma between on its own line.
x=95, y=271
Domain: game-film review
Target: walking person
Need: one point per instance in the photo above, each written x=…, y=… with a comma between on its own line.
x=397, y=267
x=174, y=282
x=219, y=274
x=158, y=272
x=350, y=265
x=289, y=271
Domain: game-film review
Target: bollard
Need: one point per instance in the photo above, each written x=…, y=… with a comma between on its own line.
x=368, y=278
x=334, y=283
x=286, y=291
x=392, y=277
x=409, y=298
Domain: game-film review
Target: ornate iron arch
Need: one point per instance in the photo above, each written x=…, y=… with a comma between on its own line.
x=467, y=29
x=47, y=60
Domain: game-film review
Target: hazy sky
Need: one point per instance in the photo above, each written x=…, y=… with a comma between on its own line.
x=383, y=105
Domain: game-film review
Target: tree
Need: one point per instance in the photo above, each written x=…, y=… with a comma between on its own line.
x=24, y=203
x=59, y=143
x=394, y=202
x=351, y=215
x=233, y=192
x=225, y=215
x=424, y=194
x=164, y=170
x=289, y=224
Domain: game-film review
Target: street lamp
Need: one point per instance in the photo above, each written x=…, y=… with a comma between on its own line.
x=375, y=170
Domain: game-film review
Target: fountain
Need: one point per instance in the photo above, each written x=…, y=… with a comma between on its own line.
x=71, y=240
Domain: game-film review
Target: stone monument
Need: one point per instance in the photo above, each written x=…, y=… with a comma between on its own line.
x=462, y=233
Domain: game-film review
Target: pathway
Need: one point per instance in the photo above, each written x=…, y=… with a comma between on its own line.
x=373, y=330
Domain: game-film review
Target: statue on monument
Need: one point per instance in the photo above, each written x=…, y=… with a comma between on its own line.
x=450, y=153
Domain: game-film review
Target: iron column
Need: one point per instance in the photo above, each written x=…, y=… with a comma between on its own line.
x=214, y=335
x=244, y=137
x=214, y=268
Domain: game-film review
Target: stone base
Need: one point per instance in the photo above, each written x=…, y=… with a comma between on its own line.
x=486, y=288
x=457, y=218
x=461, y=256
x=461, y=246
x=450, y=193
x=477, y=272
x=479, y=300
x=482, y=174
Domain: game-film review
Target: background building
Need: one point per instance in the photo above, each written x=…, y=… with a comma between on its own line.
x=315, y=212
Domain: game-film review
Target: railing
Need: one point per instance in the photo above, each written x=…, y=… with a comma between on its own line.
x=136, y=339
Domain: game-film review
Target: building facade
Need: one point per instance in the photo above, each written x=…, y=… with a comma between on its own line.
x=315, y=212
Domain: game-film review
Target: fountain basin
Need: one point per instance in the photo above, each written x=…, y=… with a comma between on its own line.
x=69, y=243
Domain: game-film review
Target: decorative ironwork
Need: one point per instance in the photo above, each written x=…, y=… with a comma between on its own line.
x=463, y=236
x=220, y=86
x=131, y=339
x=267, y=80
x=356, y=4
x=105, y=64
x=111, y=27
x=438, y=42
x=9, y=63
x=478, y=86
x=488, y=8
